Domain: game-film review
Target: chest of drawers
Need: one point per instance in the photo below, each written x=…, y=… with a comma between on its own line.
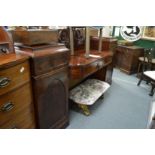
x=16, y=108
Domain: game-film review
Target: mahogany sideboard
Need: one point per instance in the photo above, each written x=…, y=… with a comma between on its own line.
x=98, y=65
x=126, y=58
x=16, y=107
x=49, y=71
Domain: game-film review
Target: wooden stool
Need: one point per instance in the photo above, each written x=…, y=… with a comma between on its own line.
x=87, y=93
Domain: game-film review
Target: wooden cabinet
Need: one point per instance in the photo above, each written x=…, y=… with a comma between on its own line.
x=126, y=58
x=16, y=108
x=49, y=68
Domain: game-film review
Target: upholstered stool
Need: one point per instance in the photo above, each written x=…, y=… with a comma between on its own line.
x=87, y=93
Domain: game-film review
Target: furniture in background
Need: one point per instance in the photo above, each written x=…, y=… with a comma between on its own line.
x=107, y=44
x=78, y=37
x=147, y=58
x=16, y=106
x=6, y=40
x=126, y=58
x=49, y=72
x=147, y=67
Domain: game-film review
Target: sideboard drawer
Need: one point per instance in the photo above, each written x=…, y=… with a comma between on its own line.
x=92, y=68
x=14, y=77
x=16, y=107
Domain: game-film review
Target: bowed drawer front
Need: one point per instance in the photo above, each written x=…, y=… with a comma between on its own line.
x=16, y=108
x=14, y=77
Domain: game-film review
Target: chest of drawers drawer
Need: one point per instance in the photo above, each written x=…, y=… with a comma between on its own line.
x=16, y=109
x=14, y=77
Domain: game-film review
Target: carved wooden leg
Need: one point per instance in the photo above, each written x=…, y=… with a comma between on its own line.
x=84, y=109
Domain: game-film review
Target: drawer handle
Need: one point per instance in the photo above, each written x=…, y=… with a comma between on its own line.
x=4, y=82
x=7, y=107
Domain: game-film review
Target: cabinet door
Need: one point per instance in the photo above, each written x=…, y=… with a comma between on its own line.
x=51, y=99
x=118, y=58
x=126, y=59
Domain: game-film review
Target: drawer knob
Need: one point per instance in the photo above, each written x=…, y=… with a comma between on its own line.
x=4, y=82
x=7, y=107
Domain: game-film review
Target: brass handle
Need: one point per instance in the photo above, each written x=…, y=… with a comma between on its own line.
x=7, y=107
x=4, y=82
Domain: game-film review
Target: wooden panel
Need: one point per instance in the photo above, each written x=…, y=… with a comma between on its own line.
x=16, y=75
x=48, y=63
x=51, y=99
x=20, y=114
x=34, y=37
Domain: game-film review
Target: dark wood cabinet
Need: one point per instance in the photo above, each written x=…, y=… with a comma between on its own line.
x=49, y=69
x=126, y=58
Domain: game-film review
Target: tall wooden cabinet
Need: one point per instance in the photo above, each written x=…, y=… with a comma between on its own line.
x=126, y=58
x=16, y=107
x=49, y=69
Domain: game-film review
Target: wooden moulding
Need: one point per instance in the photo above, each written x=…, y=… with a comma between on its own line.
x=34, y=37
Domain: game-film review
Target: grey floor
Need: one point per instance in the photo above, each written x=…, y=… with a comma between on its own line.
x=125, y=106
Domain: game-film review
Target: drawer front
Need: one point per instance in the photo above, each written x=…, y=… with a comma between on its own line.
x=93, y=67
x=14, y=77
x=44, y=64
x=16, y=109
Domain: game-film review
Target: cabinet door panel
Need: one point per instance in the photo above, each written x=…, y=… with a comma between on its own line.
x=51, y=98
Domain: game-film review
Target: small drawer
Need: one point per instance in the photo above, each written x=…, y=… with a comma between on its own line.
x=44, y=64
x=14, y=77
x=26, y=121
x=92, y=68
x=16, y=106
